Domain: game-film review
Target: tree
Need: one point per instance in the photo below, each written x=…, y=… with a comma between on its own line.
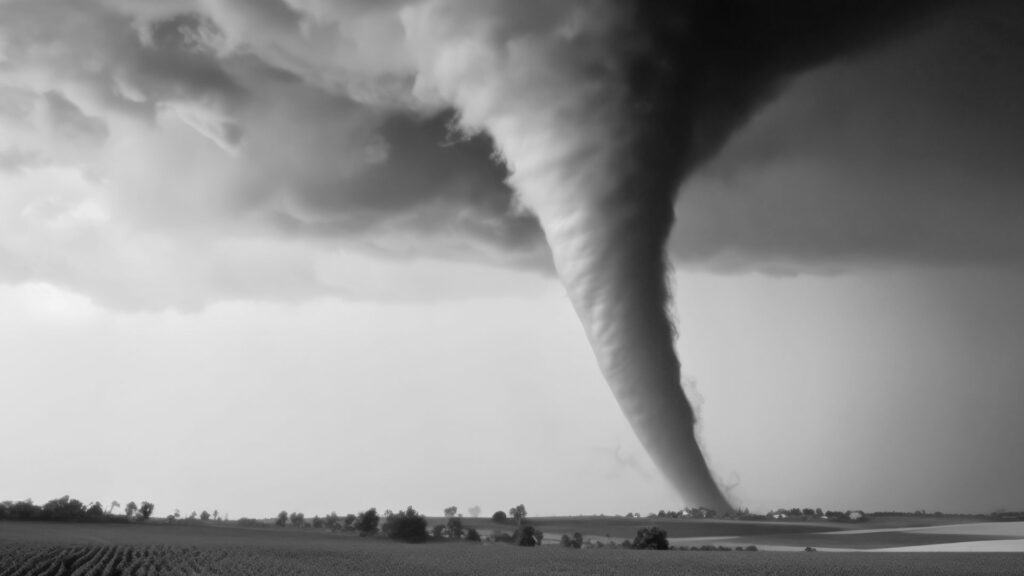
x=204, y=516
x=333, y=522
x=474, y=511
x=23, y=510
x=298, y=519
x=63, y=508
x=318, y=522
x=451, y=511
x=518, y=513
x=367, y=521
x=282, y=518
x=146, y=510
x=350, y=520
x=113, y=504
x=406, y=525
x=94, y=511
x=453, y=528
x=130, y=510
x=499, y=517
x=472, y=535
x=650, y=538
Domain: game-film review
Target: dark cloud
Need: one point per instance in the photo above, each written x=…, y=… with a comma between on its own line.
x=68, y=121
x=899, y=156
x=289, y=121
x=430, y=181
x=177, y=59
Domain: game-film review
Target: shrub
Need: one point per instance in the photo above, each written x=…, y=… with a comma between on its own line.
x=499, y=517
x=574, y=541
x=527, y=536
x=407, y=526
x=651, y=538
x=472, y=535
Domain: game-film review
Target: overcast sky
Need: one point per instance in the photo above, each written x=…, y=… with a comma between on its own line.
x=246, y=265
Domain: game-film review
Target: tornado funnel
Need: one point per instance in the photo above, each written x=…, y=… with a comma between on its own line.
x=601, y=109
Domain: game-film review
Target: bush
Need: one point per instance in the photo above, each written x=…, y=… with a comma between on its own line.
x=651, y=538
x=472, y=535
x=574, y=541
x=527, y=536
x=751, y=548
x=407, y=526
x=499, y=517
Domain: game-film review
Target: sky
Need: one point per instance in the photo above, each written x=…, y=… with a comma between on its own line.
x=283, y=255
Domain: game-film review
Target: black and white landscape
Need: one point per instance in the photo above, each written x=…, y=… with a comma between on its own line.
x=599, y=257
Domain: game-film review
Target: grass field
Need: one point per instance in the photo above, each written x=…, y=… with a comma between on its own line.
x=30, y=549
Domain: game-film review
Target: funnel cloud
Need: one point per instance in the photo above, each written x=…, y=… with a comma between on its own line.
x=600, y=118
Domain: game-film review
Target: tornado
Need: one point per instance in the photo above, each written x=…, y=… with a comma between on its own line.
x=600, y=109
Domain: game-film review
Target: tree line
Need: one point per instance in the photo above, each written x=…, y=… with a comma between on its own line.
x=408, y=525
x=67, y=509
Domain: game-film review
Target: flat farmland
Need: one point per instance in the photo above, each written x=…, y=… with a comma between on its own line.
x=615, y=528
x=30, y=549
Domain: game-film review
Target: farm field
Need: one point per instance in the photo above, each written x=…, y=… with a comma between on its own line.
x=29, y=549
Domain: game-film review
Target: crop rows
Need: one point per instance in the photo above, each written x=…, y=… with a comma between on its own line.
x=93, y=560
x=368, y=557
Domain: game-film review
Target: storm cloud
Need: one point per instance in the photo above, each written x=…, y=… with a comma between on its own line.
x=305, y=125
